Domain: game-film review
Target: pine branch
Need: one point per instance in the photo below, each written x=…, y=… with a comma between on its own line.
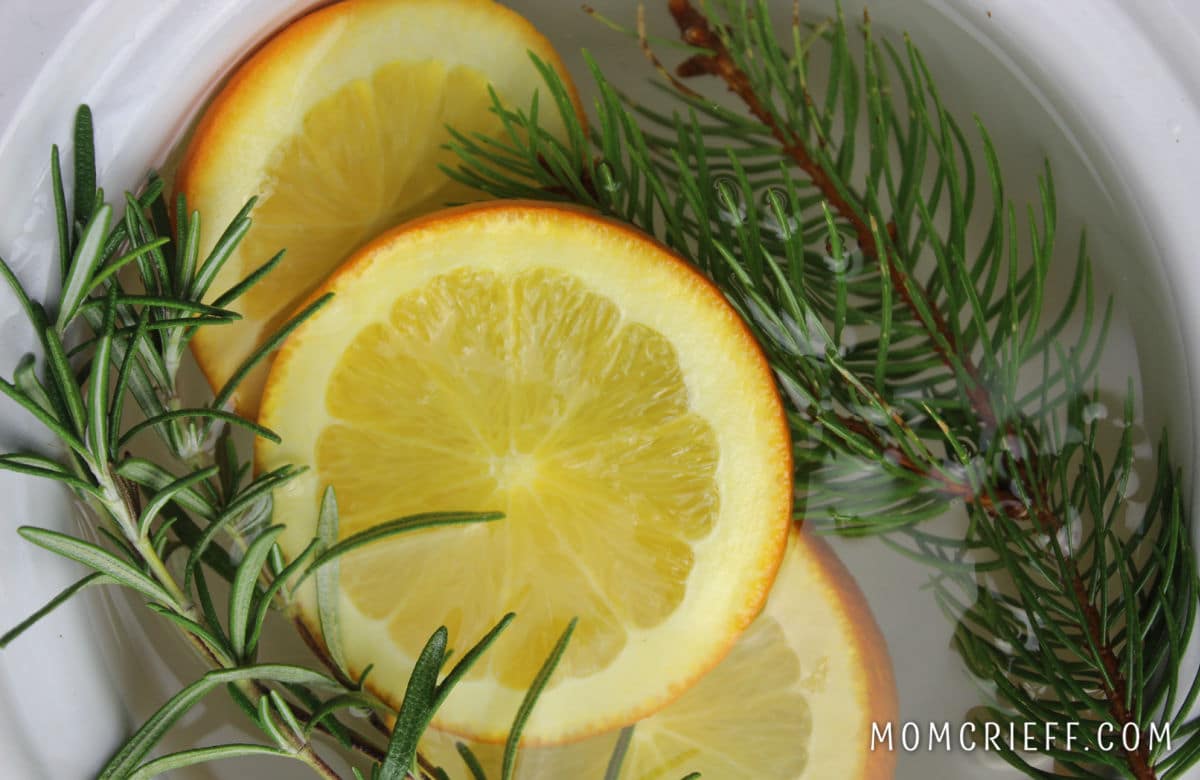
x=696, y=30
x=925, y=410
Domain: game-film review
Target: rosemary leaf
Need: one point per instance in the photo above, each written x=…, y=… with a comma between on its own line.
x=32, y=310
x=613, y=771
x=539, y=683
x=416, y=710
x=34, y=467
x=124, y=373
x=150, y=475
x=84, y=265
x=204, y=413
x=473, y=765
x=186, y=758
x=151, y=732
x=469, y=659
x=65, y=385
x=26, y=380
x=221, y=252
x=395, y=527
x=62, y=220
x=264, y=602
x=327, y=580
x=85, y=167
x=244, y=590
x=240, y=289
x=187, y=250
x=98, y=559
x=168, y=494
x=97, y=401
x=215, y=643
x=95, y=578
x=270, y=345
x=115, y=266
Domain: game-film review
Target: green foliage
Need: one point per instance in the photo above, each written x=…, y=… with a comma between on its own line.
x=530, y=700
x=210, y=511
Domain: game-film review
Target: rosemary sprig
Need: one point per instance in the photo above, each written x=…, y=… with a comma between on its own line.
x=1071, y=610
x=164, y=534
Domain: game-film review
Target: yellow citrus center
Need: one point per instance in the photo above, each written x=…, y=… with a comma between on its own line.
x=366, y=159
x=529, y=394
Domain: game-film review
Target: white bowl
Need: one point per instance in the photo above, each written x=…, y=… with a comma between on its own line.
x=1109, y=91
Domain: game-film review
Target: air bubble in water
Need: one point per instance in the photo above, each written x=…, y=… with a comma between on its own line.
x=851, y=337
x=1070, y=535
x=1094, y=411
x=774, y=204
x=810, y=339
x=1022, y=617
x=1135, y=516
x=837, y=264
x=873, y=415
x=1133, y=483
x=797, y=395
x=608, y=182
x=732, y=205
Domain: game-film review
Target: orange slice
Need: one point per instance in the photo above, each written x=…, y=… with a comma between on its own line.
x=337, y=126
x=794, y=700
x=582, y=379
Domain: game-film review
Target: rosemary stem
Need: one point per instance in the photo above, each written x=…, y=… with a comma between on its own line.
x=302, y=748
x=121, y=508
x=317, y=764
x=126, y=514
x=159, y=569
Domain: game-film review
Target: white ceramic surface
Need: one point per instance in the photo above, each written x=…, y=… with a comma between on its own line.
x=1109, y=90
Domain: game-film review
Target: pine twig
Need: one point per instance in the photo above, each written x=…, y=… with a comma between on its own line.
x=696, y=30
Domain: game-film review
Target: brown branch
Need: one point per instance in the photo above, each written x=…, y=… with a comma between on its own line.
x=357, y=741
x=1003, y=501
x=585, y=178
x=998, y=500
x=1138, y=758
x=696, y=30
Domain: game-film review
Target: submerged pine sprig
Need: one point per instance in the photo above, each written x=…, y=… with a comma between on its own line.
x=836, y=215
x=168, y=528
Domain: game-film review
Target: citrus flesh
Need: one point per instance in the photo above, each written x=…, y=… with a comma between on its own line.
x=337, y=126
x=583, y=380
x=794, y=700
